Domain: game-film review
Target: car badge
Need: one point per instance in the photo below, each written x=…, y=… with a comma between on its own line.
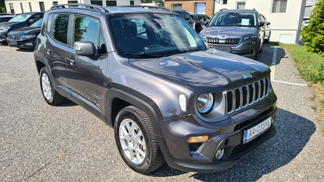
x=247, y=76
x=223, y=36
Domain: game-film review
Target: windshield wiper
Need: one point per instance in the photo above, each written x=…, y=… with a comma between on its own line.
x=144, y=54
x=189, y=50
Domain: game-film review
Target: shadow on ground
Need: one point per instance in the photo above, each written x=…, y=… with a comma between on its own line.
x=267, y=55
x=273, y=154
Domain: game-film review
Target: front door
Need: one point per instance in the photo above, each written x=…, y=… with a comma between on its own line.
x=87, y=73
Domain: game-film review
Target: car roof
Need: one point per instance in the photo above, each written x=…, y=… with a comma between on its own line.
x=238, y=11
x=7, y=16
x=135, y=9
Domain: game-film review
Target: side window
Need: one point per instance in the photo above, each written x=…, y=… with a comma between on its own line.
x=60, y=27
x=264, y=19
x=37, y=17
x=49, y=24
x=86, y=29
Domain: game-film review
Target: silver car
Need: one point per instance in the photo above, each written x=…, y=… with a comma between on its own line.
x=236, y=31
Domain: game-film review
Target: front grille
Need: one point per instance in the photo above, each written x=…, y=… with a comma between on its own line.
x=213, y=40
x=247, y=95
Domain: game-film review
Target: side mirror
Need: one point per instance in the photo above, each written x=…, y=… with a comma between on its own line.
x=268, y=23
x=206, y=23
x=31, y=21
x=261, y=23
x=84, y=48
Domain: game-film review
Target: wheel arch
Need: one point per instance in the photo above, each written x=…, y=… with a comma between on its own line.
x=117, y=99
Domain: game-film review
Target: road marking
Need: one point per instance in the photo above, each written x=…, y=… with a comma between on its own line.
x=274, y=61
x=290, y=83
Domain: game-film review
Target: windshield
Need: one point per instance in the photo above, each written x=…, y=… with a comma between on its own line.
x=38, y=23
x=20, y=18
x=234, y=19
x=153, y=35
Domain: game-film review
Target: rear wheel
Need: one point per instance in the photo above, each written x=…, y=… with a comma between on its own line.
x=49, y=93
x=136, y=140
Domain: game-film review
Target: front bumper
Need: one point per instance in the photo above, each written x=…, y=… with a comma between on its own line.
x=244, y=48
x=24, y=44
x=3, y=36
x=228, y=136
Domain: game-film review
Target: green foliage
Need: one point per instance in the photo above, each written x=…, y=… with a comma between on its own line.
x=2, y=7
x=310, y=65
x=313, y=34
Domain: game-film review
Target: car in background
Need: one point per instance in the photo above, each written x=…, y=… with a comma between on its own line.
x=19, y=21
x=200, y=20
x=305, y=21
x=237, y=31
x=25, y=37
x=185, y=15
x=6, y=18
x=267, y=29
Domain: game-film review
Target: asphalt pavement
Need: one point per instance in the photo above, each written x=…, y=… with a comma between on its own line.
x=39, y=142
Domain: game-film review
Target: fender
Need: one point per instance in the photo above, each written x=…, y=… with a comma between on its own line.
x=135, y=101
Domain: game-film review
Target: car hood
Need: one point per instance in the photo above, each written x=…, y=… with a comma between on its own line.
x=204, y=71
x=26, y=30
x=8, y=24
x=228, y=31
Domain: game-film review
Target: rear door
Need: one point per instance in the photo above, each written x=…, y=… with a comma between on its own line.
x=55, y=46
x=87, y=73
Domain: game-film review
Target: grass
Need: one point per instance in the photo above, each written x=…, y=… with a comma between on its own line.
x=311, y=68
x=273, y=43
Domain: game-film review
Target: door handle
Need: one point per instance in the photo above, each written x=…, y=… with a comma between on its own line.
x=48, y=51
x=72, y=61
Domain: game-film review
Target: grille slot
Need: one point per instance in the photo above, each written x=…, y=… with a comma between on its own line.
x=213, y=40
x=246, y=95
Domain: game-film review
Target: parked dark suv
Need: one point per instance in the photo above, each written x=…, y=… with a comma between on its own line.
x=19, y=21
x=147, y=73
x=237, y=31
x=186, y=16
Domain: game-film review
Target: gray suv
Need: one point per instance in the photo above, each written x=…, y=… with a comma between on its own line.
x=148, y=74
x=236, y=31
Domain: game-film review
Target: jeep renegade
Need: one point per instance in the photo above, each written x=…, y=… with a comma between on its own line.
x=147, y=73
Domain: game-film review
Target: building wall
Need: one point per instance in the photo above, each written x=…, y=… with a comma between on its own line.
x=189, y=5
x=49, y=3
x=283, y=25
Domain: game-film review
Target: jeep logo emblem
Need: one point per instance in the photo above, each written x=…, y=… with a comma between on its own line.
x=247, y=76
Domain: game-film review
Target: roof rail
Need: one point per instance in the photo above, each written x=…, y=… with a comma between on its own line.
x=90, y=6
x=147, y=7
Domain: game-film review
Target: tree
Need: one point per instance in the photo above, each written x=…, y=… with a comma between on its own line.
x=2, y=7
x=313, y=34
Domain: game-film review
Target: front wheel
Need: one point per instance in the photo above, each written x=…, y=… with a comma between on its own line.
x=136, y=140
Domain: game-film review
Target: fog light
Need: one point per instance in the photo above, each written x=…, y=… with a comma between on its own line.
x=219, y=153
x=196, y=139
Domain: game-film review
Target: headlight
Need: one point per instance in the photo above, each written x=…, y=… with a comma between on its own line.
x=4, y=28
x=204, y=38
x=249, y=37
x=26, y=37
x=205, y=102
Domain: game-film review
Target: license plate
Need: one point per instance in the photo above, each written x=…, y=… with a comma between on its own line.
x=255, y=131
x=221, y=41
x=12, y=43
x=223, y=48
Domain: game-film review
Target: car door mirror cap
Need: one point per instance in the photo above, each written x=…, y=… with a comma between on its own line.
x=31, y=21
x=84, y=48
x=261, y=23
x=268, y=23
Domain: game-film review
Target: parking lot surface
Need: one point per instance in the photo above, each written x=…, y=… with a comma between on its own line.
x=39, y=142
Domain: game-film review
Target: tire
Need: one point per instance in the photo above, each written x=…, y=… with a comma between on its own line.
x=51, y=96
x=135, y=120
